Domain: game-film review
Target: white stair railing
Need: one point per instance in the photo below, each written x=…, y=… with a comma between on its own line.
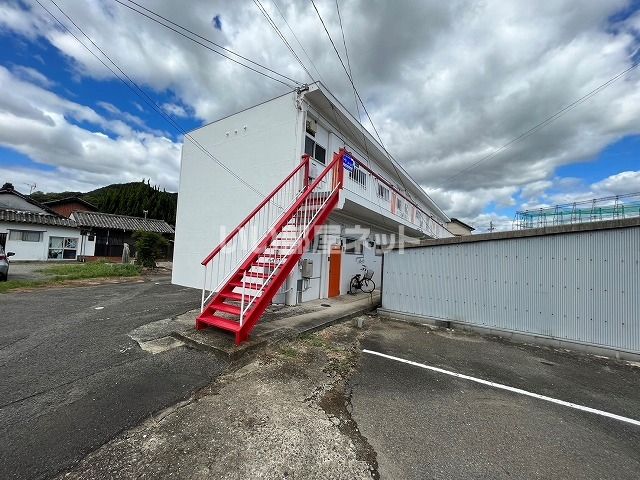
x=227, y=257
x=316, y=198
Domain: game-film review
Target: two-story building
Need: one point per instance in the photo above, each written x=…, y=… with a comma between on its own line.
x=379, y=203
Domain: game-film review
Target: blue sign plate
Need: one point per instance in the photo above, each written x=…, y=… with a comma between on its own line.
x=349, y=163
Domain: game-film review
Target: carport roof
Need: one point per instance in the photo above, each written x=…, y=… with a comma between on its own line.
x=18, y=216
x=121, y=222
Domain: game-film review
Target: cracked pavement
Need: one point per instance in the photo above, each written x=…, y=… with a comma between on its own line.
x=312, y=407
x=73, y=378
x=283, y=415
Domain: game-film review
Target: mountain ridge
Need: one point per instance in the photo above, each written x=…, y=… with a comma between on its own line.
x=124, y=199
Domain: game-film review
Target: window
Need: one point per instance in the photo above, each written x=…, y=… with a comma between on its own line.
x=353, y=246
x=62, y=248
x=359, y=177
x=311, y=148
x=25, y=235
x=398, y=206
x=383, y=192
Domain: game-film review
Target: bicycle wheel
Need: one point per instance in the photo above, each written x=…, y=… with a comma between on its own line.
x=354, y=285
x=367, y=286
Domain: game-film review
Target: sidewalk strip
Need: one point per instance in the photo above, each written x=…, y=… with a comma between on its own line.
x=508, y=388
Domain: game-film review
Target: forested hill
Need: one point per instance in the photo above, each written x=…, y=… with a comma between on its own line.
x=125, y=199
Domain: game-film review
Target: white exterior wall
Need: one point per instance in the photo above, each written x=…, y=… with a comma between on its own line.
x=262, y=145
x=335, y=138
x=35, y=250
x=211, y=202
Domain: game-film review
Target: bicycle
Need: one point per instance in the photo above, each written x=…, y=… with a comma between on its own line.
x=362, y=282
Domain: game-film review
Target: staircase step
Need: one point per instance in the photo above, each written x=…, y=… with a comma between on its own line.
x=264, y=264
x=219, y=322
x=225, y=307
x=237, y=296
x=257, y=274
x=252, y=286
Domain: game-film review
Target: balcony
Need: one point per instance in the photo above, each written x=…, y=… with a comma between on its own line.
x=365, y=188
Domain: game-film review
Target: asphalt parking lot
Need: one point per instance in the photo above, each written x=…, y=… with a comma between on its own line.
x=429, y=424
x=72, y=377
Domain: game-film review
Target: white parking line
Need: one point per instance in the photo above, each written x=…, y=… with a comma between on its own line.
x=508, y=388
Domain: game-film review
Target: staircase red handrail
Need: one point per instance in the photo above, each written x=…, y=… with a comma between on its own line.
x=338, y=180
x=234, y=232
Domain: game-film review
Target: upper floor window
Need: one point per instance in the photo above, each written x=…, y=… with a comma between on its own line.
x=383, y=192
x=315, y=151
x=311, y=146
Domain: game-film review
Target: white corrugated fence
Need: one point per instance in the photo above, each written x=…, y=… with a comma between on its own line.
x=581, y=286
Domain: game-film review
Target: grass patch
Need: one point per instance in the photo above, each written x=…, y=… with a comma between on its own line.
x=288, y=351
x=74, y=271
x=12, y=284
x=77, y=271
x=314, y=341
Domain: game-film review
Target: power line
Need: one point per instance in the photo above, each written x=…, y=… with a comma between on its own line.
x=275, y=4
x=546, y=122
x=295, y=82
x=364, y=107
x=210, y=41
x=138, y=91
x=266, y=15
x=355, y=98
x=348, y=74
x=346, y=52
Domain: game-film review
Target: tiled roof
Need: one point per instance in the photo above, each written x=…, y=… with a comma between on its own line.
x=18, y=216
x=121, y=222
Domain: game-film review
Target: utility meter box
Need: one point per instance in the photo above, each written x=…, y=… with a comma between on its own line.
x=307, y=268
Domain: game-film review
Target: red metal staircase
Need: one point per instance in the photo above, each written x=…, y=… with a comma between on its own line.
x=244, y=272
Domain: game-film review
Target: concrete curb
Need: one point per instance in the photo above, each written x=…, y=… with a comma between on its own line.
x=274, y=331
x=515, y=337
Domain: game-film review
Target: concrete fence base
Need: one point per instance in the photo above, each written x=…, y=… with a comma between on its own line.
x=514, y=336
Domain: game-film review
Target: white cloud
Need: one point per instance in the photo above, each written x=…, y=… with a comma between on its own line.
x=42, y=125
x=446, y=83
x=32, y=75
x=619, y=184
x=175, y=109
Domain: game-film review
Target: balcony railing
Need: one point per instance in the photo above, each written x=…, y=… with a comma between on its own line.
x=367, y=184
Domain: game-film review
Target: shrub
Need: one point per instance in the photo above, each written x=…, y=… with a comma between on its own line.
x=149, y=247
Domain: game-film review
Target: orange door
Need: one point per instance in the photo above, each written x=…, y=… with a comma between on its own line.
x=335, y=261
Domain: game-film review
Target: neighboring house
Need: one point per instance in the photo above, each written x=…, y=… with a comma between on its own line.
x=458, y=228
x=34, y=231
x=104, y=234
x=66, y=206
x=377, y=200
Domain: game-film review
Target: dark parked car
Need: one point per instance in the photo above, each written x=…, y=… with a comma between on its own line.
x=4, y=264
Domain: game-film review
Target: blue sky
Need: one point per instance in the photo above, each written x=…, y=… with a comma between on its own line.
x=454, y=84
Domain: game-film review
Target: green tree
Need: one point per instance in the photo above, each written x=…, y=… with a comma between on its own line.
x=149, y=247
